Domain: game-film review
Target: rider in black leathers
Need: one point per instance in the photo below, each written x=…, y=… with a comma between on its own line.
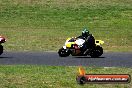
x=89, y=40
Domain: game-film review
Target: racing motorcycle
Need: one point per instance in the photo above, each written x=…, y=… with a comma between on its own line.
x=2, y=40
x=73, y=47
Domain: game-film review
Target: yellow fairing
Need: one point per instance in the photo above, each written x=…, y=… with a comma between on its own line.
x=68, y=39
x=99, y=42
x=68, y=44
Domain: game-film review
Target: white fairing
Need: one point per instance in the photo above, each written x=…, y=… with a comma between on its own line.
x=80, y=42
x=64, y=47
x=1, y=39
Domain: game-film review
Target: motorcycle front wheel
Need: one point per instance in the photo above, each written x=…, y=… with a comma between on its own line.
x=63, y=52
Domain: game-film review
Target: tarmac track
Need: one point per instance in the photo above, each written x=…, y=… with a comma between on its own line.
x=52, y=58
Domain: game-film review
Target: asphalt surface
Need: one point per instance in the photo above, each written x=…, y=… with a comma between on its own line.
x=52, y=58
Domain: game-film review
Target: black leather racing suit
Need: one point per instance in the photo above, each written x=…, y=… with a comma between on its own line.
x=89, y=42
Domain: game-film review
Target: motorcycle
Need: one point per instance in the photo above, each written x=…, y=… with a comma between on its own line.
x=73, y=47
x=2, y=40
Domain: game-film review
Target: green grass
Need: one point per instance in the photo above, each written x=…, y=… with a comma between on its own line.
x=28, y=76
x=44, y=25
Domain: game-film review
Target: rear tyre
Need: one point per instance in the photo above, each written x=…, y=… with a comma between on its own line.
x=1, y=49
x=96, y=52
x=63, y=52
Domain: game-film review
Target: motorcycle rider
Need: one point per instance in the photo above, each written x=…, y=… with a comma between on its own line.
x=89, y=40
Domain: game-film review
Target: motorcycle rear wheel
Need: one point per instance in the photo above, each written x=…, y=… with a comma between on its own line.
x=1, y=49
x=96, y=52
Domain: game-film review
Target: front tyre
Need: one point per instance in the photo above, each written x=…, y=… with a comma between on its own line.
x=1, y=49
x=63, y=52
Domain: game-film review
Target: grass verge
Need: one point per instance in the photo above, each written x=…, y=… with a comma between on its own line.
x=31, y=76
